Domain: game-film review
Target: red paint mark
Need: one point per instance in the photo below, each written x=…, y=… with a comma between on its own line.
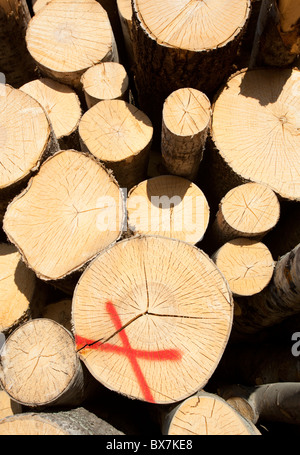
x=129, y=352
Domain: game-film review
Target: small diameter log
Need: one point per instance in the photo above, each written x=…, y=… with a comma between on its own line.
x=119, y=135
x=280, y=40
x=40, y=366
x=73, y=422
x=206, y=414
x=250, y=210
x=62, y=106
x=16, y=63
x=105, y=81
x=56, y=39
x=279, y=300
x=125, y=15
x=168, y=206
x=71, y=210
x=265, y=101
x=247, y=265
x=17, y=289
x=25, y=129
x=39, y=4
x=151, y=318
x=184, y=44
x=60, y=312
x=185, y=122
x=8, y=407
x=265, y=403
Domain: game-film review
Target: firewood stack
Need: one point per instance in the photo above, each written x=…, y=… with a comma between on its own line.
x=149, y=209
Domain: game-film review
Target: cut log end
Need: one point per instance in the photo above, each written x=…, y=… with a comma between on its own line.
x=207, y=414
x=169, y=206
x=105, y=81
x=247, y=265
x=71, y=210
x=39, y=362
x=152, y=333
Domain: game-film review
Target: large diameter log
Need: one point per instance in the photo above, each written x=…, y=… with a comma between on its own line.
x=18, y=286
x=119, y=135
x=247, y=265
x=62, y=106
x=16, y=63
x=206, y=414
x=168, y=206
x=26, y=131
x=78, y=421
x=71, y=210
x=105, y=81
x=184, y=44
x=250, y=210
x=277, y=402
x=279, y=300
x=40, y=366
x=56, y=39
x=265, y=101
x=152, y=317
x=280, y=40
x=185, y=123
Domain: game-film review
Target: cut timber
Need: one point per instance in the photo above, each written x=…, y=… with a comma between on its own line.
x=25, y=141
x=277, y=402
x=16, y=63
x=151, y=318
x=74, y=422
x=8, y=407
x=71, y=210
x=168, y=206
x=105, y=81
x=247, y=265
x=280, y=39
x=249, y=210
x=185, y=122
x=120, y=136
x=206, y=414
x=265, y=101
x=17, y=289
x=37, y=5
x=184, y=44
x=60, y=312
x=125, y=15
x=40, y=366
x=279, y=300
x=56, y=39
x=62, y=106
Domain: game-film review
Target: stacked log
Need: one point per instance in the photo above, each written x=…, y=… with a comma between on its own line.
x=149, y=207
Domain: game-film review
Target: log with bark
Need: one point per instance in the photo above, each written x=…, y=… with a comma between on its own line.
x=279, y=300
x=169, y=206
x=279, y=41
x=184, y=44
x=152, y=317
x=75, y=422
x=105, y=81
x=254, y=134
x=186, y=120
x=277, y=402
x=69, y=212
x=56, y=39
x=120, y=136
x=60, y=312
x=246, y=264
x=62, y=107
x=25, y=130
x=125, y=15
x=41, y=368
x=206, y=414
x=16, y=63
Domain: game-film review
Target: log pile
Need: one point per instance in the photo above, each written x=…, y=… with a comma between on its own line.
x=149, y=209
